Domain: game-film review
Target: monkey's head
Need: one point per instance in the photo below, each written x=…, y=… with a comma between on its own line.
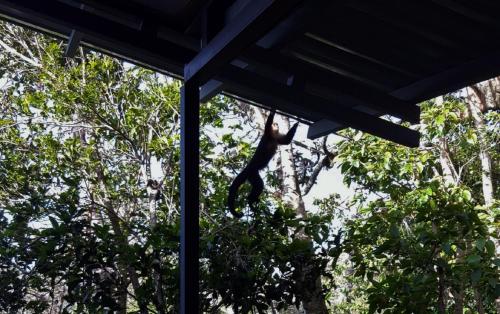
x=152, y=183
x=275, y=128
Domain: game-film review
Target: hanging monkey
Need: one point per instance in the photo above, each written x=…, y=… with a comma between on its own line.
x=265, y=151
x=153, y=188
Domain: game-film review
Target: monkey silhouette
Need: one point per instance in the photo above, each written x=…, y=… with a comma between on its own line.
x=265, y=151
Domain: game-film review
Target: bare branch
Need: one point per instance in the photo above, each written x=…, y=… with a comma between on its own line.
x=18, y=54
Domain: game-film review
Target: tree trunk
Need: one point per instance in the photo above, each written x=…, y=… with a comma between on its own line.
x=474, y=104
x=157, y=281
x=442, y=288
x=313, y=300
x=458, y=296
x=123, y=269
x=122, y=295
x=291, y=188
x=479, y=300
x=450, y=177
x=121, y=238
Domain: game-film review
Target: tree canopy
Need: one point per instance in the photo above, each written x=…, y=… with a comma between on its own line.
x=81, y=233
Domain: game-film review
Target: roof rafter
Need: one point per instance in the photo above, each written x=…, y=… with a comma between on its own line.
x=286, y=98
x=452, y=79
x=468, y=12
x=139, y=45
x=259, y=17
x=284, y=31
x=358, y=94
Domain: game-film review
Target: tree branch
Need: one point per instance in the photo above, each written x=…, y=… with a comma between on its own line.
x=18, y=54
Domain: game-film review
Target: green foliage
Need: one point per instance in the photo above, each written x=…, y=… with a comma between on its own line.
x=253, y=264
x=416, y=233
x=78, y=139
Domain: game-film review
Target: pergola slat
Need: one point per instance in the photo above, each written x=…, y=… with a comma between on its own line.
x=452, y=79
x=249, y=26
x=285, y=31
x=365, y=95
x=101, y=33
x=373, y=73
x=468, y=12
x=461, y=35
x=261, y=89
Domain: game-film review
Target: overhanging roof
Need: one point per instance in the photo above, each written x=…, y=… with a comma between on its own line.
x=333, y=64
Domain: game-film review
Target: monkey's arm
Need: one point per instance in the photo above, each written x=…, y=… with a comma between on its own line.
x=287, y=139
x=269, y=124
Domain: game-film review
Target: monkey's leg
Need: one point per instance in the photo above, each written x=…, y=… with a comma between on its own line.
x=257, y=188
x=233, y=192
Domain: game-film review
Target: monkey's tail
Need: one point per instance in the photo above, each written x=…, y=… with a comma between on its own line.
x=233, y=192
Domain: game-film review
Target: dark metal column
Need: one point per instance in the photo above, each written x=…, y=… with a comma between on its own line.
x=190, y=198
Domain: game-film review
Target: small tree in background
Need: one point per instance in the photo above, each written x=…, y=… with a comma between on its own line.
x=427, y=241
x=79, y=140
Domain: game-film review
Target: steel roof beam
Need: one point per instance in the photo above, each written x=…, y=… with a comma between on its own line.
x=284, y=31
x=110, y=36
x=257, y=19
x=452, y=79
x=264, y=90
x=358, y=94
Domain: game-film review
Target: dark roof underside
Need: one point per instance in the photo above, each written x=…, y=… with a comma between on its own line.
x=347, y=62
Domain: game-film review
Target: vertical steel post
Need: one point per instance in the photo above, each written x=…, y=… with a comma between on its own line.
x=190, y=198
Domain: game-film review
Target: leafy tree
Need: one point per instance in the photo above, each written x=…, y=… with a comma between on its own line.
x=79, y=231
x=80, y=138
x=272, y=259
x=424, y=239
